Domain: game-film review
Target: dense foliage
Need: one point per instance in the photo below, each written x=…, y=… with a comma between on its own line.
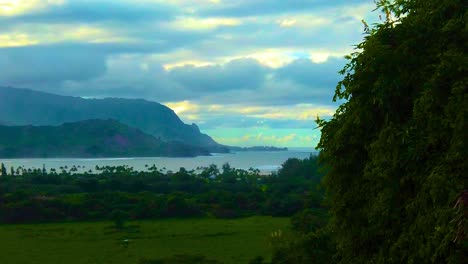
x=115, y=192
x=395, y=151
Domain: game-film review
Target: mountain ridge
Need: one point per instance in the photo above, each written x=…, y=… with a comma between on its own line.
x=85, y=139
x=20, y=106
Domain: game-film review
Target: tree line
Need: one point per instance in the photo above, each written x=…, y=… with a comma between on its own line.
x=68, y=195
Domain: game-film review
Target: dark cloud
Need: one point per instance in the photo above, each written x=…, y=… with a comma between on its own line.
x=155, y=37
x=300, y=81
x=237, y=74
x=318, y=75
x=86, y=11
x=116, y=69
x=128, y=79
x=267, y=7
x=250, y=37
x=50, y=64
x=278, y=94
x=96, y=71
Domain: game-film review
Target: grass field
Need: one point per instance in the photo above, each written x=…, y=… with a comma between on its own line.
x=228, y=241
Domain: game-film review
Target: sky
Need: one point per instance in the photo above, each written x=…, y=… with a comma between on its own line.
x=247, y=72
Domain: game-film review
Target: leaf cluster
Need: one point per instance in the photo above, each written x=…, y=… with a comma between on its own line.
x=395, y=151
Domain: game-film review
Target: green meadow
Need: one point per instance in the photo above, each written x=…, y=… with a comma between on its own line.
x=223, y=240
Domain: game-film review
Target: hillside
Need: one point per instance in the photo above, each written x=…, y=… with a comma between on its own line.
x=28, y=107
x=91, y=138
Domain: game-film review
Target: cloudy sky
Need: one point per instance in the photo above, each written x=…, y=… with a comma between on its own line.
x=248, y=72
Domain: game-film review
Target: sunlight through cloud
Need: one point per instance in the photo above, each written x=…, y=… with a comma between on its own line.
x=191, y=23
x=16, y=40
x=16, y=7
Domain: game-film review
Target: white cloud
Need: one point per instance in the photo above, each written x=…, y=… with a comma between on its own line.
x=16, y=40
x=304, y=21
x=193, y=23
x=184, y=107
x=16, y=7
x=285, y=22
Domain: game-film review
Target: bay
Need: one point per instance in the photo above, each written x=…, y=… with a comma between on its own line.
x=265, y=161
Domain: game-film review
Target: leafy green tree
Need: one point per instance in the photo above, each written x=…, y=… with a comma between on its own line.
x=309, y=220
x=395, y=151
x=3, y=169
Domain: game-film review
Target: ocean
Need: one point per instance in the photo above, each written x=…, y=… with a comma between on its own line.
x=265, y=161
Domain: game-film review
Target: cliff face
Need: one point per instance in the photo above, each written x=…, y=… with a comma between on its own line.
x=28, y=107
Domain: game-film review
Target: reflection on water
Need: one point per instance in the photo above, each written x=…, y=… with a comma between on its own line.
x=264, y=161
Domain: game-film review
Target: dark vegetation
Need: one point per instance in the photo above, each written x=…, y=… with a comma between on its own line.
x=395, y=152
x=120, y=193
x=91, y=138
x=27, y=107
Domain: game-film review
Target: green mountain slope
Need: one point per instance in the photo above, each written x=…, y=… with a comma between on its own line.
x=28, y=107
x=91, y=138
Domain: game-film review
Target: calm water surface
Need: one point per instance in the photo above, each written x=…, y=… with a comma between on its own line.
x=264, y=161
